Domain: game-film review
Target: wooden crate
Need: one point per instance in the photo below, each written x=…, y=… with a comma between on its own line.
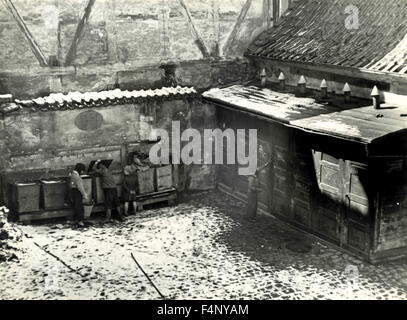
x=54, y=194
x=44, y=215
x=169, y=195
x=25, y=197
x=146, y=181
x=164, y=178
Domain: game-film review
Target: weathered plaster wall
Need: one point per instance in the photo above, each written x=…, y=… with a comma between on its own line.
x=123, y=45
x=45, y=144
x=126, y=30
x=202, y=74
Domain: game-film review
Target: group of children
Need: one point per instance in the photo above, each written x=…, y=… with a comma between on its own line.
x=129, y=188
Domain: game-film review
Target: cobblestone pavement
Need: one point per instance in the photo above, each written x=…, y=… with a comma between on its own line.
x=199, y=249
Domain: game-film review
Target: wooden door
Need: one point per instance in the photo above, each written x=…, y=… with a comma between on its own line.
x=280, y=183
x=357, y=219
x=327, y=220
x=241, y=121
x=226, y=174
x=264, y=152
x=304, y=184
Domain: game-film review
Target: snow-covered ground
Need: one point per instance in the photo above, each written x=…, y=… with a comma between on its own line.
x=199, y=249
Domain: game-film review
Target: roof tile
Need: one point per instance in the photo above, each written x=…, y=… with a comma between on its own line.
x=315, y=31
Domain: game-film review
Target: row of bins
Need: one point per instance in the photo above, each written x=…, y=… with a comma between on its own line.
x=25, y=197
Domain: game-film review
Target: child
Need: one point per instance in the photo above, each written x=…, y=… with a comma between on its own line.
x=78, y=193
x=254, y=188
x=109, y=190
x=129, y=189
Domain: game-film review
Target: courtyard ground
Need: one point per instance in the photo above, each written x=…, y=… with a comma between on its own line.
x=199, y=249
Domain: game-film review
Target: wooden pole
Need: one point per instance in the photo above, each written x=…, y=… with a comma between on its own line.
x=71, y=55
x=111, y=30
x=214, y=21
x=198, y=40
x=35, y=48
x=276, y=13
x=152, y=283
x=232, y=37
x=266, y=13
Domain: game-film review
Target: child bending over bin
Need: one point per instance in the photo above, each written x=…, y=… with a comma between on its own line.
x=130, y=182
x=253, y=190
x=109, y=190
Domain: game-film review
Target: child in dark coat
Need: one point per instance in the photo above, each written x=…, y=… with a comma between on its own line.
x=129, y=189
x=253, y=190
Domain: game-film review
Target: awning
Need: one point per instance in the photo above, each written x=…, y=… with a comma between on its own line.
x=280, y=106
x=357, y=121
x=364, y=124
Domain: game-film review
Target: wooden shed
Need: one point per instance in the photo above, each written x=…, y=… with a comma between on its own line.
x=338, y=172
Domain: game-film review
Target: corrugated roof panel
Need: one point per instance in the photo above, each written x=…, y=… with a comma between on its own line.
x=73, y=100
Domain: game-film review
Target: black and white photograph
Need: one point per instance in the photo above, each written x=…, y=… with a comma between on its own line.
x=203, y=150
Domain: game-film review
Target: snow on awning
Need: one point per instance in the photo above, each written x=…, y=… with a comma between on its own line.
x=357, y=121
x=280, y=106
x=364, y=124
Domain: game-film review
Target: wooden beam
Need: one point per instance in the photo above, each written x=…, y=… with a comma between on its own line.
x=35, y=48
x=266, y=13
x=111, y=30
x=164, y=18
x=232, y=37
x=214, y=21
x=71, y=55
x=198, y=40
x=276, y=13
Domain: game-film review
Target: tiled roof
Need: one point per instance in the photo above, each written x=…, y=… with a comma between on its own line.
x=315, y=31
x=78, y=100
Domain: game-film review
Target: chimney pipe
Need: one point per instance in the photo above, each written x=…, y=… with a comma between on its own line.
x=281, y=80
x=324, y=89
x=263, y=77
x=302, y=85
x=376, y=97
x=276, y=13
x=347, y=93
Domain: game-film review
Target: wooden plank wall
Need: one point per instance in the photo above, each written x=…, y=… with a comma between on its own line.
x=317, y=191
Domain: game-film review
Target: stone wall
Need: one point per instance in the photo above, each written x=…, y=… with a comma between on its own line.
x=201, y=74
x=126, y=30
x=37, y=145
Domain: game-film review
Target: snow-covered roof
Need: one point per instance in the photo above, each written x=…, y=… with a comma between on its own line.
x=79, y=100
